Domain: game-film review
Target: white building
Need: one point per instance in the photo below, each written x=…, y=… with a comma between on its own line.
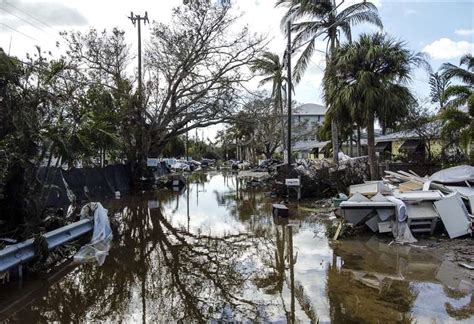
x=306, y=119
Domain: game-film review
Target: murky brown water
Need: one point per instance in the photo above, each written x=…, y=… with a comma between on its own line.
x=214, y=252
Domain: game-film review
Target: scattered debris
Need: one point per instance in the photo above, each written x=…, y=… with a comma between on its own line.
x=467, y=266
x=404, y=203
x=102, y=235
x=454, y=215
x=323, y=178
x=280, y=210
x=338, y=231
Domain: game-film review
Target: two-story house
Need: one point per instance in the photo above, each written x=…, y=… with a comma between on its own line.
x=306, y=120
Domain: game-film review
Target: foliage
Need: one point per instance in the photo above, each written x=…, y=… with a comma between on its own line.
x=197, y=70
x=459, y=125
x=466, y=76
x=370, y=83
x=36, y=126
x=458, y=117
x=421, y=120
x=175, y=147
x=83, y=107
x=438, y=85
x=324, y=20
x=256, y=127
x=270, y=67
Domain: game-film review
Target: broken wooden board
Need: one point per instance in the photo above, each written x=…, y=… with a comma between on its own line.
x=454, y=215
x=385, y=227
x=385, y=214
x=410, y=186
x=372, y=223
x=423, y=210
x=369, y=188
x=355, y=216
x=419, y=195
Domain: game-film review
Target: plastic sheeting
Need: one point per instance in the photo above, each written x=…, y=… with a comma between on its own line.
x=458, y=173
x=400, y=229
x=99, y=246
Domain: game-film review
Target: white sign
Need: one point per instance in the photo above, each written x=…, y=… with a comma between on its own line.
x=292, y=182
x=152, y=162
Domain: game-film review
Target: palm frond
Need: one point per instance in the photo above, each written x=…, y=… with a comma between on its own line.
x=346, y=30
x=303, y=61
x=364, y=17
x=457, y=95
x=265, y=81
x=306, y=31
x=467, y=60
x=452, y=71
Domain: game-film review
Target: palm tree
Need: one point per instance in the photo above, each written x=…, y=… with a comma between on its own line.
x=438, y=85
x=315, y=18
x=271, y=68
x=371, y=81
x=452, y=71
x=458, y=124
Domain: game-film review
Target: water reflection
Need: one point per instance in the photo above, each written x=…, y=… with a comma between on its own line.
x=371, y=281
x=213, y=252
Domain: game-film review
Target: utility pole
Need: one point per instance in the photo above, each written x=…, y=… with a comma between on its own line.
x=139, y=134
x=139, y=19
x=289, y=88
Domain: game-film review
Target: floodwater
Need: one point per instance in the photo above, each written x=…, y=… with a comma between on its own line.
x=214, y=253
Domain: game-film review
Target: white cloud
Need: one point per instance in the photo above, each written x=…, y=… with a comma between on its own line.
x=446, y=48
x=410, y=12
x=464, y=32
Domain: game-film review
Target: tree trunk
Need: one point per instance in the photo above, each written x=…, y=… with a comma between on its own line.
x=283, y=141
x=359, y=151
x=334, y=132
x=371, y=147
x=334, y=140
x=351, y=146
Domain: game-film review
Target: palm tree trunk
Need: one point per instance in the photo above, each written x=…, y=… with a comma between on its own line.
x=280, y=99
x=359, y=151
x=334, y=132
x=334, y=140
x=371, y=147
x=351, y=146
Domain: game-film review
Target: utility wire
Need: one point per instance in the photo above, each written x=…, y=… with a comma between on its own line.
x=22, y=19
x=19, y=32
x=29, y=15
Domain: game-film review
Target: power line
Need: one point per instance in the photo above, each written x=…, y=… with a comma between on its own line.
x=19, y=32
x=22, y=19
x=29, y=15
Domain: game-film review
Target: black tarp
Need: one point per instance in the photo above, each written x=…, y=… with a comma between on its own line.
x=87, y=183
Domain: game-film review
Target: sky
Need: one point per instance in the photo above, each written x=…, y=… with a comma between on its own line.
x=444, y=30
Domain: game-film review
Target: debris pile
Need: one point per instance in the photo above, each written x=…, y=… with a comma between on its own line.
x=324, y=178
x=404, y=203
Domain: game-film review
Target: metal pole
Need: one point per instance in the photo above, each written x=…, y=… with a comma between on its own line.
x=289, y=88
x=140, y=63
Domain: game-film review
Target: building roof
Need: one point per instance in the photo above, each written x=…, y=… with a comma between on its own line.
x=308, y=145
x=435, y=127
x=310, y=109
x=396, y=136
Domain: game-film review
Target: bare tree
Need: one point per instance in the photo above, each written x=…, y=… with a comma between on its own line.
x=197, y=65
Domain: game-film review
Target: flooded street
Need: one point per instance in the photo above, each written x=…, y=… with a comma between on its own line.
x=214, y=252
